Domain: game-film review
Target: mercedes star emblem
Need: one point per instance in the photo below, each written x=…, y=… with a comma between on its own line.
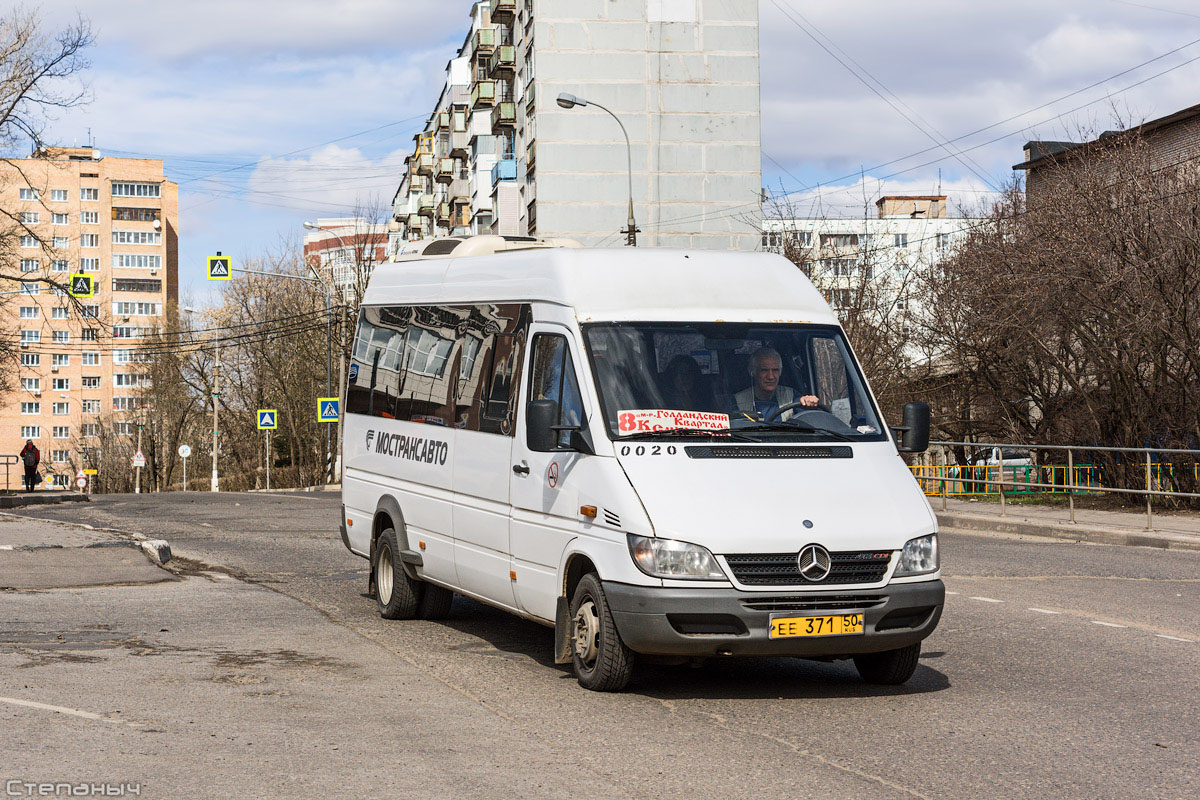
x=814, y=563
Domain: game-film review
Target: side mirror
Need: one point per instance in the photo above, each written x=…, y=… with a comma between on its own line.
x=540, y=418
x=914, y=433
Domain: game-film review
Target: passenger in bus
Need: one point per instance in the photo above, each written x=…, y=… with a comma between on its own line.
x=684, y=389
x=766, y=396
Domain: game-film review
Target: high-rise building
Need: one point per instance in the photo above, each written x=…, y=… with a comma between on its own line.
x=344, y=251
x=117, y=220
x=499, y=155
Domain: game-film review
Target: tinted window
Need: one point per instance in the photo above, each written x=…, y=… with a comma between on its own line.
x=552, y=377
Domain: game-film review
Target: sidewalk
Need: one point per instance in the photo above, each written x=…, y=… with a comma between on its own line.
x=1171, y=531
x=37, y=554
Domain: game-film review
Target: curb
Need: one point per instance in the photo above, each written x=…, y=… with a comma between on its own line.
x=17, y=501
x=988, y=523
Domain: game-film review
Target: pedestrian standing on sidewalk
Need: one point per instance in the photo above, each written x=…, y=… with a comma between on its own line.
x=30, y=457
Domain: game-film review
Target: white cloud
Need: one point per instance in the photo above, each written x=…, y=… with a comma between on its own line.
x=1078, y=49
x=332, y=180
x=851, y=199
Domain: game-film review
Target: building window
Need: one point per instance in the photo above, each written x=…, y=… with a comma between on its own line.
x=91, y=312
x=59, y=219
x=30, y=265
x=136, y=237
x=60, y=312
x=31, y=337
x=29, y=194
x=60, y=360
x=131, y=379
x=91, y=381
x=89, y=335
x=91, y=358
x=125, y=404
x=125, y=356
x=60, y=384
x=62, y=409
x=31, y=408
x=29, y=312
x=129, y=332
x=131, y=308
x=29, y=217
x=31, y=431
x=900, y=240
x=89, y=240
x=840, y=266
x=60, y=265
x=31, y=384
x=131, y=189
x=137, y=262
x=60, y=456
x=943, y=241
x=91, y=406
x=59, y=481
x=90, y=217
x=31, y=359
x=136, y=285
x=58, y=195
x=61, y=431
x=89, y=430
x=89, y=194
x=123, y=428
x=60, y=337
x=31, y=289
x=29, y=241
x=57, y=291
x=89, y=264
x=135, y=214
x=60, y=242
x=839, y=240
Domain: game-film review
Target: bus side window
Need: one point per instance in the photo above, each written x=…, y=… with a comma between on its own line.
x=498, y=411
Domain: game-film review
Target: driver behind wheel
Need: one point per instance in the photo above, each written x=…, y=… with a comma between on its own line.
x=765, y=396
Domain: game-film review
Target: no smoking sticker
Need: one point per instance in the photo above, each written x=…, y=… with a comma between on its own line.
x=552, y=475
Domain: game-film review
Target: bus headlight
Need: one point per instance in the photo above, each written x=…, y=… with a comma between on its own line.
x=918, y=557
x=668, y=558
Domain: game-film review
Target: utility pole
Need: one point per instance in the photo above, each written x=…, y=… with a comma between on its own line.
x=216, y=398
x=137, y=488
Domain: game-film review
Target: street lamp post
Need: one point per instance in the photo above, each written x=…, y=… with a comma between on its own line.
x=566, y=100
x=328, y=354
x=215, y=486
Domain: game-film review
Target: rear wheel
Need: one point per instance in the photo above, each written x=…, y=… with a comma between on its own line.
x=889, y=668
x=397, y=595
x=602, y=661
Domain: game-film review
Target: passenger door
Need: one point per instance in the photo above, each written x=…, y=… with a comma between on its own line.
x=544, y=498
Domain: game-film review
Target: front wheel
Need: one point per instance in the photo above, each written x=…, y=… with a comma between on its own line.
x=889, y=668
x=602, y=661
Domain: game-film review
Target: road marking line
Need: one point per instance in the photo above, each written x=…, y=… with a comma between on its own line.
x=1108, y=624
x=951, y=592
x=6, y=547
x=1044, y=610
x=59, y=710
x=1172, y=638
x=987, y=600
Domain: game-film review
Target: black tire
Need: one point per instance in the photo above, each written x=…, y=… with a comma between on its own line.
x=604, y=664
x=889, y=668
x=397, y=595
x=435, y=602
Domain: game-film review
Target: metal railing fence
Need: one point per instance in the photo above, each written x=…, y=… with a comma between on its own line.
x=946, y=480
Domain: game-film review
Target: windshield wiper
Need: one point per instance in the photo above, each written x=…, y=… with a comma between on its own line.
x=724, y=433
x=797, y=426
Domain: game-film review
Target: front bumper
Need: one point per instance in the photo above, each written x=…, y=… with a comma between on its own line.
x=709, y=622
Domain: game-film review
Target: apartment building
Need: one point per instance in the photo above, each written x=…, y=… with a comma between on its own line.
x=344, y=251
x=907, y=234
x=499, y=155
x=116, y=219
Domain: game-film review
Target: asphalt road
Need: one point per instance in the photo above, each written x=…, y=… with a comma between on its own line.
x=1058, y=670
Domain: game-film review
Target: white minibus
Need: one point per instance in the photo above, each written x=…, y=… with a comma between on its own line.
x=665, y=455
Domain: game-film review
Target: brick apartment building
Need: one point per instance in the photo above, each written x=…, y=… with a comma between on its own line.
x=116, y=219
x=344, y=250
x=1171, y=140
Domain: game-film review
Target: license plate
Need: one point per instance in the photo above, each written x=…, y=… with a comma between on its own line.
x=836, y=625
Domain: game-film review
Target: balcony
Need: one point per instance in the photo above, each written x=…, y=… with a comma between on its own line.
x=483, y=94
x=460, y=190
x=460, y=144
x=425, y=164
x=503, y=11
x=445, y=170
x=504, y=170
x=443, y=214
x=530, y=97
x=425, y=205
x=504, y=115
x=484, y=40
x=503, y=61
x=530, y=155
x=444, y=121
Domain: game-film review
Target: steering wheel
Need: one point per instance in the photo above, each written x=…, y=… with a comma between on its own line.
x=777, y=413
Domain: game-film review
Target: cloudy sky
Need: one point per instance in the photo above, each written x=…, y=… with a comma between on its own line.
x=269, y=113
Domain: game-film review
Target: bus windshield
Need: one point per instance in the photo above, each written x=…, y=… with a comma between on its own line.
x=770, y=380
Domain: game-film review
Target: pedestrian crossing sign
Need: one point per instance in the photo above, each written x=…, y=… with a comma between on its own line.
x=268, y=419
x=81, y=286
x=219, y=268
x=328, y=409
